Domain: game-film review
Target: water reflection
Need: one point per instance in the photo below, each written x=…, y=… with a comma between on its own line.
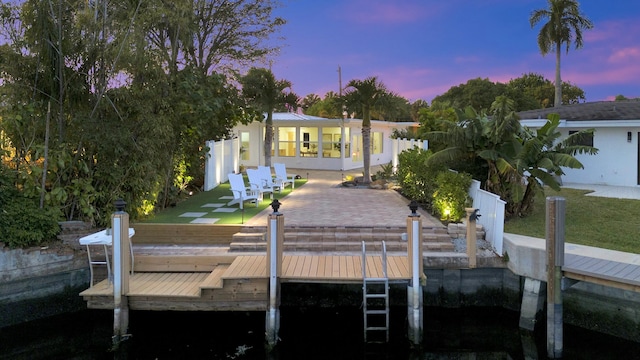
x=475, y=333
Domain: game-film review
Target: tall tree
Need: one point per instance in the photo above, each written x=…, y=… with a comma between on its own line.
x=564, y=26
x=264, y=93
x=329, y=107
x=366, y=95
x=221, y=36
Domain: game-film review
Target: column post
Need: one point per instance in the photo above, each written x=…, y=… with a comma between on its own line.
x=555, y=211
x=275, y=241
x=472, y=216
x=121, y=272
x=414, y=290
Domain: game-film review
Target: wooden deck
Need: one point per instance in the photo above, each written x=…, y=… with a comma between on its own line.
x=320, y=268
x=241, y=285
x=622, y=275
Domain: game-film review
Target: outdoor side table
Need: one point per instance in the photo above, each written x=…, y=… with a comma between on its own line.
x=101, y=238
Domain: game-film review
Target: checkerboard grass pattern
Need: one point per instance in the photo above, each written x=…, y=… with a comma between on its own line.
x=210, y=207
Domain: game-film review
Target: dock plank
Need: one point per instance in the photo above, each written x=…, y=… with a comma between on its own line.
x=214, y=279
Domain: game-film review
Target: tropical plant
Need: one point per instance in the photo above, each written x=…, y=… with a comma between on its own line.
x=564, y=26
x=539, y=162
x=517, y=162
x=266, y=94
x=361, y=97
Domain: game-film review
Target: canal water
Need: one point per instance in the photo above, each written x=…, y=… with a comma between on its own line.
x=328, y=333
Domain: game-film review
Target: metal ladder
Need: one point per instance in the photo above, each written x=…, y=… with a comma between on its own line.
x=375, y=293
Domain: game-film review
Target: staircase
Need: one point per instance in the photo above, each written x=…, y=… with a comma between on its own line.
x=343, y=239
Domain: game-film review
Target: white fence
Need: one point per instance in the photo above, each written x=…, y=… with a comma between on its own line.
x=223, y=158
x=400, y=145
x=492, y=214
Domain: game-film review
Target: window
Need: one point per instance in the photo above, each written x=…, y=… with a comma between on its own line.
x=585, y=140
x=347, y=144
x=357, y=148
x=245, y=145
x=286, y=141
x=309, y=146
x=376, y=143
x=331, y=142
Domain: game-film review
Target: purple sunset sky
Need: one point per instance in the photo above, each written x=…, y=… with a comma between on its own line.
x=421, y=48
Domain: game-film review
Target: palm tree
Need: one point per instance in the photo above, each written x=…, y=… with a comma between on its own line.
x=565, y=22
x=365, y=95
x=266, y=94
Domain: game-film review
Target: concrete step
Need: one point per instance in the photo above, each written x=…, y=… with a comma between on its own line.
x=341, y=239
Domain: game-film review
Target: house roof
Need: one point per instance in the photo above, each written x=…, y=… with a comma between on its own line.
x=289, y=116
x=295, y=116
x=599, y=110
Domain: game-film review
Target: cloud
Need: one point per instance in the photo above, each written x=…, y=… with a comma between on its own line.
x=625, y=54
x=381, y=12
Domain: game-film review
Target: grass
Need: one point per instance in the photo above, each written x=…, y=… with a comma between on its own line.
x=195, y=202
x=593, y=221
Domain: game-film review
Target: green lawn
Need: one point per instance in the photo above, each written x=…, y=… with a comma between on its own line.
x=594, y=221
x=195, y=204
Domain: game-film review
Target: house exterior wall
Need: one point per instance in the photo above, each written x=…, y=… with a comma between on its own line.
x=616, y=162
x=255, y=152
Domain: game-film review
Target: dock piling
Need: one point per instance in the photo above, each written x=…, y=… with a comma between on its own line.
x=414, y=290
x=555, y=260
x=472, y=217
x=275, y=240
x=121, y=271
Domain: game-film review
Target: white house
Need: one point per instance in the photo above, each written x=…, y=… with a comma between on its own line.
x=617, y=130
x=311, y=142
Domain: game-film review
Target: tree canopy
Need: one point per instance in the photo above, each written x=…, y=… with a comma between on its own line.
x=132, y=90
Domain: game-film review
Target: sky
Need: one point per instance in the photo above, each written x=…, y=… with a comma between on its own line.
x=421, y=48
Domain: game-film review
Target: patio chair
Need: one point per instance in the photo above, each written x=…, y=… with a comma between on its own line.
x=282, y=179
x=240, y=192
x=265, y=175
x=259, y=184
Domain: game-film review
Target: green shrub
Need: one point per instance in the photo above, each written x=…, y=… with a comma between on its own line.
x=22, y=222
x=385, y=173
x=452, y=195
x=416, y=179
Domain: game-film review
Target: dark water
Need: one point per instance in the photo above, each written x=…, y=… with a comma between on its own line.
x=474, y=333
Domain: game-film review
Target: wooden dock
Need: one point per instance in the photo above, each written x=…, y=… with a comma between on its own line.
x=240, y=284
x=617, y=274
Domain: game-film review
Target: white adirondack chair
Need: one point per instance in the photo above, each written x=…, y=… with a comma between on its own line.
x=240, y=192
x=282, y=179
x=265, y=175
x=257, y=183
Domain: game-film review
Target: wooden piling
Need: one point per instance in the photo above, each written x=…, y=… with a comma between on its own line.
x=471, y=237
x=121, y=272
x=555, y=211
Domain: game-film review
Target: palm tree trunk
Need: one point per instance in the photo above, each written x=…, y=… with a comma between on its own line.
x=558, y=98
x=366, y=153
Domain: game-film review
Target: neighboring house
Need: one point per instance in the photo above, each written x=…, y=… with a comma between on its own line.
x=617, y=130
x=311, y=142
